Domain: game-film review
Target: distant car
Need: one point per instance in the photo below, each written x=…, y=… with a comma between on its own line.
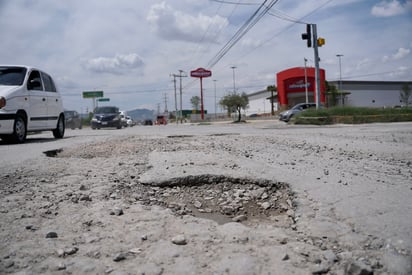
x=107, y=116
x=73, y=120
x=123, y=118
x=29, y=102
x=288, y=114
x=130, y=122
x=161, y=120
x=147, y=122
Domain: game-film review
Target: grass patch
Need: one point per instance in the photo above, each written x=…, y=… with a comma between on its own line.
x=353, y=115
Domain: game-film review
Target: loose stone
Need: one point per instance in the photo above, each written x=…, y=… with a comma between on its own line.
x=117, y=212
x=240, y=218
x=51, y=235
x=179, y=240
x=266, y=205
x=119, y=257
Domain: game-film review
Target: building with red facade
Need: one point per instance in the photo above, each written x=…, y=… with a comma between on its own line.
x=291, y=86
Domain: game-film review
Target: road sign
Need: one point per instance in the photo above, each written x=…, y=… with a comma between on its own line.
x=92, y=94
x=200, y=72
x=103, y=99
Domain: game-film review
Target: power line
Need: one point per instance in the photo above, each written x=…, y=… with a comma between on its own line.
x=286, y=17
x=235, y=3
x=253, y=19
x=373, y=74
x=124, y=92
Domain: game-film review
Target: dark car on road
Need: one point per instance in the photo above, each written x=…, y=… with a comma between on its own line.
x=73, y=120
x=288, y=114
x=107, y=116
x=147, y=122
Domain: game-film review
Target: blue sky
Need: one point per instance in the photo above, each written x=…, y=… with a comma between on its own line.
x=130, y=48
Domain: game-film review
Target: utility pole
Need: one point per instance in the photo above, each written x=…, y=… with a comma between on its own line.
x=174, y=81
x=312, y=35
x=317, y=73
x=158, y=108
x=165, y=101
x=180, y=76
x=179, y=115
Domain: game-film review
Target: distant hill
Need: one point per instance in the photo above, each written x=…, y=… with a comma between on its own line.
x=141, y=114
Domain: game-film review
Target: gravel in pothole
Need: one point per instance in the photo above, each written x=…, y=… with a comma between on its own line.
x=222, y=199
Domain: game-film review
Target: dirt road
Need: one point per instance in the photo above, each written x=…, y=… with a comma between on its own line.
x=255, y=198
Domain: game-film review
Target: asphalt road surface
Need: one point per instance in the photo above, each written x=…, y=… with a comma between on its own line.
x=352, y=202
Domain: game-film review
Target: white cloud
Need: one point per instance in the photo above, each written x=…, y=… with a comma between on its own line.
x=401, y=53
x=132, y=47
x=175, y=25
x=391, y=8
x=119, y=64
x=385, y=59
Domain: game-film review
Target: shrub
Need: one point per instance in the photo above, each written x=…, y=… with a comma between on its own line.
x=353, y=115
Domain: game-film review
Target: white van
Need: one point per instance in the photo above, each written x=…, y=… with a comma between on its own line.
x=29, y=102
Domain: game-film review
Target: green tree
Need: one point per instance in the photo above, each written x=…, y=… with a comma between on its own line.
x=235, y=103
x=195, y=101
x=405, y=94
x=332, y=94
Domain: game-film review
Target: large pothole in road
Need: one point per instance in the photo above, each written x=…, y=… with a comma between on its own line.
x=220, y=198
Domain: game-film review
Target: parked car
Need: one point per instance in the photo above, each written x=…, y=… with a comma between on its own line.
x=73, y=120
x=29, y=102
x=288, y=114
x=107, y=116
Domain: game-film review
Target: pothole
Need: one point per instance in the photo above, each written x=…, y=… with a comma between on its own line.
x=221, y=198
x=180, y=136
x=53, y=153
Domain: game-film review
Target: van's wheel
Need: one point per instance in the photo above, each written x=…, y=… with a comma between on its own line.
x=59, y=131
x=19, y=130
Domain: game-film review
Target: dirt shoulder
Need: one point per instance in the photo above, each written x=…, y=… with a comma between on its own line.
x=250, y=199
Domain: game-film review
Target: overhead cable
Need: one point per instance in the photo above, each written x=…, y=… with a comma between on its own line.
x=253, y=19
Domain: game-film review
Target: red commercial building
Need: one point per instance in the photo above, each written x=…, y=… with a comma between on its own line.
x=291, y=86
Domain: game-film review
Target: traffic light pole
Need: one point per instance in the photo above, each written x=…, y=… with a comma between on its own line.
x=317, y=72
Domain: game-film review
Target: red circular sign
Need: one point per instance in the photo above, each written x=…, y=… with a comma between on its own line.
x=200, y=72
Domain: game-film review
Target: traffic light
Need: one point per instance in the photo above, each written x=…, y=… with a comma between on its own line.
x=321, y=41
x=308, y=35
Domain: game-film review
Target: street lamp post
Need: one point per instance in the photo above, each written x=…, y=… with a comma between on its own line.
x=214, y=81
x=340, y=76
x=234, y=85
x=306, y=82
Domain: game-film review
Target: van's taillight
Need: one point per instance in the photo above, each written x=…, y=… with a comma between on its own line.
x=2, y=102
